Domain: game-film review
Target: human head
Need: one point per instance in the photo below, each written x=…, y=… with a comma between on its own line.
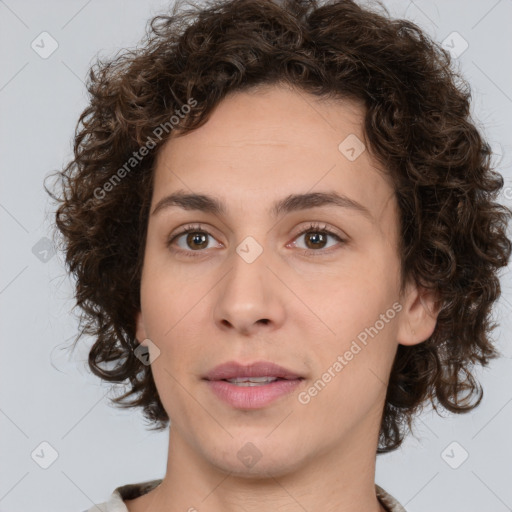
x=416, y=126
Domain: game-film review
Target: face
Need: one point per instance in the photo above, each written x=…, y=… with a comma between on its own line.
x=312, y=286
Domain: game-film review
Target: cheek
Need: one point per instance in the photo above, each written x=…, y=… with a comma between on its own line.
x=353, y=366
x=360, y=309
x=355, y=297
x=166, y=298
x=173, y=315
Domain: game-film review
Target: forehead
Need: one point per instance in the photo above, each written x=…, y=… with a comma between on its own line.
x=265, y=141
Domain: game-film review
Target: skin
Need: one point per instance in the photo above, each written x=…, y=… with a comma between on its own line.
x=298, y=310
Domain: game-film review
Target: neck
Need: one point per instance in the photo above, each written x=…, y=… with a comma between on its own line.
x=335, y=480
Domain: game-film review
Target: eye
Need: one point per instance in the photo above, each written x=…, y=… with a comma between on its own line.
x=316, y=238
x=194, y=239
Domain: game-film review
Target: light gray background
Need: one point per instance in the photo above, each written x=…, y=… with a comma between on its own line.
x=46, y=396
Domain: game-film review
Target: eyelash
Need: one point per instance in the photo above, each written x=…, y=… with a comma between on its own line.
x=317, y=228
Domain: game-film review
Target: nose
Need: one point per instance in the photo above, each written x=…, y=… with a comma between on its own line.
x=250, y=298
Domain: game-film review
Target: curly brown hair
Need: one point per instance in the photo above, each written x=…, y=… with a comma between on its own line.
x=417, y=125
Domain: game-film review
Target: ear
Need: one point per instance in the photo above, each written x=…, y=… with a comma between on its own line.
x=140, y=329
x=419, y=315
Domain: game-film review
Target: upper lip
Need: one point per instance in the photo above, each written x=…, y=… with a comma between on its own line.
x=233, y=370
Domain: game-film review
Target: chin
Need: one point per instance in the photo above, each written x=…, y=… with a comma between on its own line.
x=257, y=460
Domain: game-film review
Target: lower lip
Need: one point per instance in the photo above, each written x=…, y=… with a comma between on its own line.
x=252, y=397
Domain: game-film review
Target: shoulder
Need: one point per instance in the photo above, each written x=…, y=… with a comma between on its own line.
x=131, y=491
x=391, y=504
x=115, y=502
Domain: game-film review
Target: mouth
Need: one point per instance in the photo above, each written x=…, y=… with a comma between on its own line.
x=252, y=386
x=254, y=381
x=259, y=373
x=252, y=395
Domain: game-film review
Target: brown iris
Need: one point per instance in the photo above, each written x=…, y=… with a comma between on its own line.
x=317, y=237
x=194, y=238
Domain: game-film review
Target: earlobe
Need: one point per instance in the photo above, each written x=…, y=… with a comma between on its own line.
x=419, y=315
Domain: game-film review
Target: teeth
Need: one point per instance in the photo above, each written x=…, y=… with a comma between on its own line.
x=252, y=381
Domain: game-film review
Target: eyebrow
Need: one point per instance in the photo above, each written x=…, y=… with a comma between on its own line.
x=291, y=203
